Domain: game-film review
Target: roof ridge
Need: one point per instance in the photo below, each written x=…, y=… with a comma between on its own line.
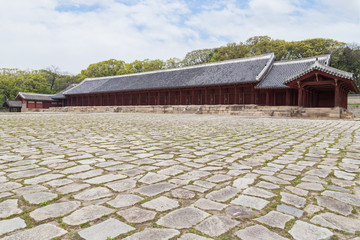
x=266, y=68
x=45, y=94
x=308, y=59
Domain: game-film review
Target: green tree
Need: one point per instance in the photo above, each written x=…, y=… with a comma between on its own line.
x=347, y=58
x=110, y=67
x=197, y=57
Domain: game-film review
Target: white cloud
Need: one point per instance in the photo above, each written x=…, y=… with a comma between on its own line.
x=35, y=35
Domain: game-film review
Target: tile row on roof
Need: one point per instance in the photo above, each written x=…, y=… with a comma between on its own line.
x=36, y=96
x=244, y=70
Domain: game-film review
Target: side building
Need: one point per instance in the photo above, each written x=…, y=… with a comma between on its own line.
x=39, y=101
x=260, y=80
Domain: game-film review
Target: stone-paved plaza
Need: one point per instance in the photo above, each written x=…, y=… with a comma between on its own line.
x=189, y=177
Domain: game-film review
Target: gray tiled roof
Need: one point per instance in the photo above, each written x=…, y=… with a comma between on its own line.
x=35, y=96
x=61, y=95
x=228, y=72
x=283, y=70
x=13, y=103
x=323, y=68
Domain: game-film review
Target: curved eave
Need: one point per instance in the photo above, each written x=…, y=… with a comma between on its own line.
x=349, y=81
x=322, y=68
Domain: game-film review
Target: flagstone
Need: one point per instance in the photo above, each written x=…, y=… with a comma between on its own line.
x=275, y=219
x=334, y=221
x=54, y=210
x=182, y=218
x=109, y=228
x=334, y=205
x=137, y=215
x=9, y=207
x=215, y=226
x=161, y=204
x=248, y=201
x=93, y=194
x=87, y=214
x=10, y=225
x=122, y=185
x=42, y=232
x=258, y=232
x=223, y=194
x=39, y=197
x=155, y=189
x=154, y=233
x=124, y=200
x=207, y=204
x=305, y=231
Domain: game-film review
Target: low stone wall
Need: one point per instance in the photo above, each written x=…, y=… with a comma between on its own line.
x=355, y=109
x=241, y=110
x=354, y=99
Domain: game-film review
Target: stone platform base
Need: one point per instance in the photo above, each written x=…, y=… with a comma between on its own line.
x=242, y=110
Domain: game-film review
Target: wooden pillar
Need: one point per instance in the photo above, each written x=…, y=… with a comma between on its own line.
x=192, y=101
x=221, y=100
x=287, y=98
x=337, y=94
x=206, y=97
x=101, y=99
x=158, y=98
x=300, y=97
x=148, y=98
x=236, y=95
x=267, y=98
x=346, y=99
x=181, y=97
x=252, y=95
x=169, y=98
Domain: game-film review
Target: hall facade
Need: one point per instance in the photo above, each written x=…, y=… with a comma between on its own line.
x=259, y=80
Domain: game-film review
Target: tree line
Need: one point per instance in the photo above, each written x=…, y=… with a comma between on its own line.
x=343, y=56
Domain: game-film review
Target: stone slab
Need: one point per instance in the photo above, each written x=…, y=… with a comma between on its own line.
x=258, y=232
x=109, y=228
x=155, y=189
x=9, y=225
x=215, y=226
x=54, y=210
x=275, y=219
x=86, y=214
x=161, y=204
x=45, y=231
x=331, y=220
x=305, y=231
x=124, y=200
x=9, y=207
x=137, y=215
x=248, y=201
x=154, y=233
x=93, y=194
x=182, y=218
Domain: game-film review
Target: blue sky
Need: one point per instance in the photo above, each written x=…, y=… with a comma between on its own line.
x=71, y=34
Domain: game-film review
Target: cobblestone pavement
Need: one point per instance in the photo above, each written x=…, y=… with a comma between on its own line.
x=148, y=176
